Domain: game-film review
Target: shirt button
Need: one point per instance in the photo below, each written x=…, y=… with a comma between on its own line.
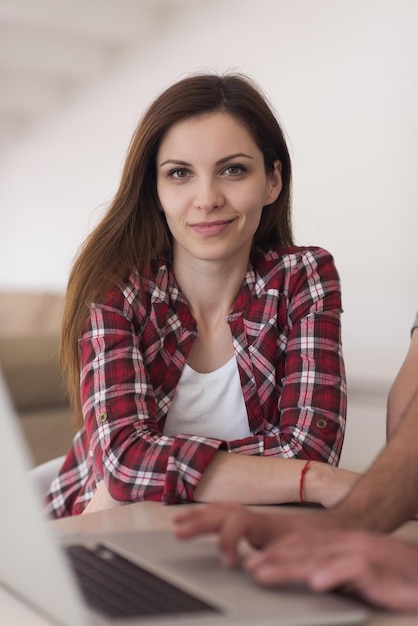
x=321, y=423
x=102, y=417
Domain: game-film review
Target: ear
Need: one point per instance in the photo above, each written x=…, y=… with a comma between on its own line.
x=274, y=183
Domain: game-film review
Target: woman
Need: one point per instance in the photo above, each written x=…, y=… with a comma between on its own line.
x=194, y=328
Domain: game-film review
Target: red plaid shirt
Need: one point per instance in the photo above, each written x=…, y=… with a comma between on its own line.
x=287, y=341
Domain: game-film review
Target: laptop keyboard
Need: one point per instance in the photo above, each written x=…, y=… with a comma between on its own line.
x=119, y=588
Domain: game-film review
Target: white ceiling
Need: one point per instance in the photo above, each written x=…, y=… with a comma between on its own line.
x=52, y=49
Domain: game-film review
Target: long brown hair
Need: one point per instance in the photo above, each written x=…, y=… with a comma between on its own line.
x=134, y=231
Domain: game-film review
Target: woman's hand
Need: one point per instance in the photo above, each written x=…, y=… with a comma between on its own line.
x=381, y=569
x=327, y=485
x=101, y=500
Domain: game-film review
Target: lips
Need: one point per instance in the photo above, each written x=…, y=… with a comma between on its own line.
x=211, y=228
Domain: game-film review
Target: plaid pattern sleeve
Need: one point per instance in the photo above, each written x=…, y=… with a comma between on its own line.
x=286, y=334
x=132, y=354
x=294, y=382
x=121, y=418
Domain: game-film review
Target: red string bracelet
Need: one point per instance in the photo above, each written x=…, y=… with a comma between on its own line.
x=302, y=479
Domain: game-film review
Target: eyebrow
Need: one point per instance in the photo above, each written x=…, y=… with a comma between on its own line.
x=219, y=162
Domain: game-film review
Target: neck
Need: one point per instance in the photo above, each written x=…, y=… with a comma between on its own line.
x=211, y=288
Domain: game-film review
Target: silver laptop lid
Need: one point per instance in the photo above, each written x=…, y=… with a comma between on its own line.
x=31, y=565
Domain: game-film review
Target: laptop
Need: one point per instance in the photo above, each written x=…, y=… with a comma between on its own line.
x=43, y=568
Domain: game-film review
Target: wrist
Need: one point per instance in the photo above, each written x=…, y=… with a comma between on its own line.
x=323, y=484
x=303, y=472
x=312, y=476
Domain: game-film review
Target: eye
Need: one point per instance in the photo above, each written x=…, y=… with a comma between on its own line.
x=235, y=170
x=178, y=172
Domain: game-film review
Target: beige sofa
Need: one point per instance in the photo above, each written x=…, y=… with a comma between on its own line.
x=29, y=339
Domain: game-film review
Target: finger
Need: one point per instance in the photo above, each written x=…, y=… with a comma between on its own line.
x=335, y=571
x=382, y=581
x=291, y=558
x=199, y=521
x=225, y=519
x=280, y=571
x=353, y=572
x=237, y=526
x=192, y=523
x=294, y=546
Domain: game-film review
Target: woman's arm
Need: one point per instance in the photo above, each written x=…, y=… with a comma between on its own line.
x=270, y=480
x=137, y=462
x=273, y=481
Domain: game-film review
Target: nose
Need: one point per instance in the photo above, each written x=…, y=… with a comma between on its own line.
x=208, y=195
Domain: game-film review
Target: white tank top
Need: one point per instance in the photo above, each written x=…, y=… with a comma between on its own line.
x=209, y=405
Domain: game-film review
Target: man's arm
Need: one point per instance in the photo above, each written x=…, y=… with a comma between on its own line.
x=403, y=387
x=387, y=494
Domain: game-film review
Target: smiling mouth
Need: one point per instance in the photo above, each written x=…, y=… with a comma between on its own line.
x=211, y=228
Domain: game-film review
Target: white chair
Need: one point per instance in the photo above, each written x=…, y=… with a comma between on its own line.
x=42, y=475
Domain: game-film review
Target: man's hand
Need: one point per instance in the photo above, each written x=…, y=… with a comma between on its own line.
x=381, y=569
x=234, y=523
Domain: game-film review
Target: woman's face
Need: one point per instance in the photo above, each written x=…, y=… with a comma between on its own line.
x=212, y=186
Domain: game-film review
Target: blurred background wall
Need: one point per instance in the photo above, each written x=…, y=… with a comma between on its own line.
x=343, y=79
